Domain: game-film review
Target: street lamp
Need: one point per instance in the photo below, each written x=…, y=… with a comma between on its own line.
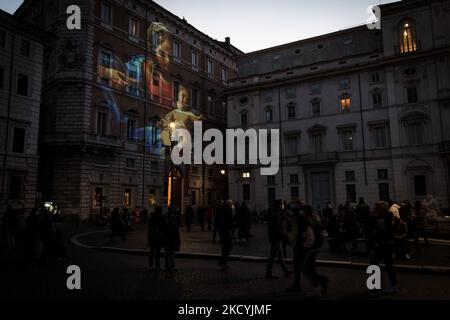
x=172, y=126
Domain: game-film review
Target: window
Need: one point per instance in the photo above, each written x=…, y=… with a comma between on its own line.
x=415, y=132
x=292, y=146
x=131, y=163
x=295, y=192
x=379, y=137
x=15, y=187
x=382, y=174
x=350, y=176
x=270, y=180
x=210, y=67
x=25, y=48
x=293, y=179
x=244, y=118
x=317, y=143
x=377, y=99
x=210, y=103
x=290, y=92
x=194, y=98
x=176, y=49
x=224, y=74
x=106, y=13
x=246, y=192
x=411, y=94
x=351, y=192
x=98, y=197
x=194, y=59
x=316, y=108
x=315, y=89
x=131, y=130
x=156, y=79
x=269, y=115
x=383, y=191
x=176, y=91
x=376, y=77
x=291, y=111
x=271, y=196
x=105, y=66
x=101, y=123
x=2, y=39
x=133, y=27
x=347, y=140
x=346, y=103
x=156, y=40
x=246, y=175
x=127, y=197
x=18, y=144
x=2, y=78
x=420, y=186
x=344, y=84
x=22, y=85
x=268, y=96
x=408, y=41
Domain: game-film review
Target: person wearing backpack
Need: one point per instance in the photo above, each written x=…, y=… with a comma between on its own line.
x=308, y=243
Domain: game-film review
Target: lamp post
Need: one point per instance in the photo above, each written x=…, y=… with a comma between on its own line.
x=172, y=127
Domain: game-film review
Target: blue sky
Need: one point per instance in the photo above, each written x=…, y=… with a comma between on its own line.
x=258, y=24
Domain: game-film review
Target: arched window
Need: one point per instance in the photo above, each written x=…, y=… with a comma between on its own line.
x=408, y=41
x=345, y=102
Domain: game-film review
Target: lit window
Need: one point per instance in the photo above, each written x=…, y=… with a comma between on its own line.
x=127, y=198
x=408, y=41
x=345, y=103
x=246, y=175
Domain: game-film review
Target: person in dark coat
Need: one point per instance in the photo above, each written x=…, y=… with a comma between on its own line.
x=189, y=217
x=201, y=213
x=244, y=219
x=216, y=219
x=172, y=243
x=384, y=247
x=225, y=229
x=277, y=233
x=156, y=232
x=117, y=225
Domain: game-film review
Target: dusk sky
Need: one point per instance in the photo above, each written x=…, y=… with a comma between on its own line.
x=258, y=24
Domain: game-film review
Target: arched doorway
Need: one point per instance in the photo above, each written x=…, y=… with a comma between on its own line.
x=174, y=194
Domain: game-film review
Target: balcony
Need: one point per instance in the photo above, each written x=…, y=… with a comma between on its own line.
x=313, y=158
x=444, y=147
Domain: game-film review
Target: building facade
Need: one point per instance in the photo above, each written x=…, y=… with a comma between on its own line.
x=112, y=92
x=21, y=64
x=361, y=113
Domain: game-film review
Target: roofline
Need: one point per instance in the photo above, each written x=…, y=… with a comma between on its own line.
x=302, y=41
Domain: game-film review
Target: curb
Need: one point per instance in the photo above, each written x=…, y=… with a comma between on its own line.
x=214, y=256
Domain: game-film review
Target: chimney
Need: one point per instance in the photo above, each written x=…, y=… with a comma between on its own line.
x=227, y=41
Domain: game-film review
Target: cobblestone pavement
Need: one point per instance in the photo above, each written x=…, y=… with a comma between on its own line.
x=107, y=275
x=201, y=242
x=118, y=276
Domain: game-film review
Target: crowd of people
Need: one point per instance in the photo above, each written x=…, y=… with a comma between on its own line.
x=37, y=235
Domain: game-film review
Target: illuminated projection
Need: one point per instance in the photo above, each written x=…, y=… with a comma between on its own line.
x=146, y=77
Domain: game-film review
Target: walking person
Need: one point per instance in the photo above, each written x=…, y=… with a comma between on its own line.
x=216, y=219
x=277, y=233
x=172, y=243
x=384, y=247
x=201, y=211
x=189, y=217
x=308, y=243
x=225, y=229
x=117, y=225
x=156, y=232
